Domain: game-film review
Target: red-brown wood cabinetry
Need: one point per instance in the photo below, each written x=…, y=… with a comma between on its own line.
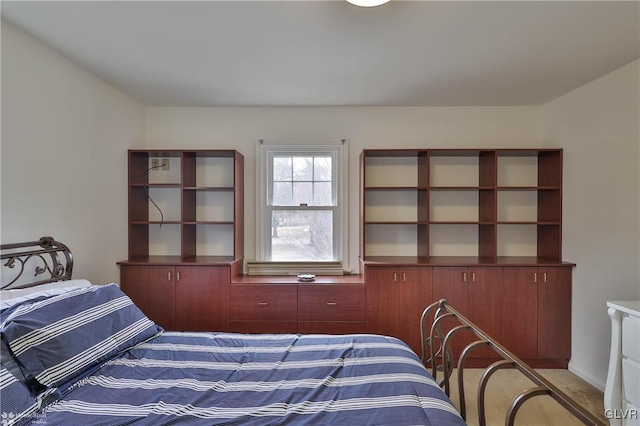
x=537, y=313
x=186, y=235
x=152, y=289
x=183, y=298
x=396, y=297
x=476, y=292
x=201, y=298
x=263, y=308
x=489, y=223
x=331, y=309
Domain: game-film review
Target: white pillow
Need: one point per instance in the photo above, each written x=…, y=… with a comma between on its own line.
x=11, y=297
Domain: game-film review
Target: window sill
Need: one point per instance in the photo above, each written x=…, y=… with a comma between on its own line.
x=294, y=268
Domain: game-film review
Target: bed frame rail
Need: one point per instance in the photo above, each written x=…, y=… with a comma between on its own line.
x=438, y=356
x=46, y=257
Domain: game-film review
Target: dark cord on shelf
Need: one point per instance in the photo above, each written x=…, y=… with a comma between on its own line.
x=146, y=190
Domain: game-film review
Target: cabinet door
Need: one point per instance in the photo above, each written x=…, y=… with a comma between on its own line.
x=382, y=300
x=152, y=289
x=484, y=304
x=202, y=298
x=414, y=295
x=449, y=283
x=520, y=311
x=554, y=313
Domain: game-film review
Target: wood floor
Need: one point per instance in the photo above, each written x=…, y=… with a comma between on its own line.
x=539, y=411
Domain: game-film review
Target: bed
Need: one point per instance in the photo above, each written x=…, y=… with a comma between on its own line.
x=74, y=353
x=80, y=354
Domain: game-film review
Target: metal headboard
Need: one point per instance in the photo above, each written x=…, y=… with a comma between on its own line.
x=47, y=258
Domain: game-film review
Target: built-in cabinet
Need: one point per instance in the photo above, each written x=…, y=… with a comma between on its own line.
x=476, y=292
x=331, y=309
x=486, y=226
x=537, y=312
x=396, y=297
x=186, y=234
x=479, y=227
x=185, y=298
x=262, y=308
x=331, y=305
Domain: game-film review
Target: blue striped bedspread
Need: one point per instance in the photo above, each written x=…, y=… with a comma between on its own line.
x=239, y=379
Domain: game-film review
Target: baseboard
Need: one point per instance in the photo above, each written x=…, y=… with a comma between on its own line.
x=586, y=377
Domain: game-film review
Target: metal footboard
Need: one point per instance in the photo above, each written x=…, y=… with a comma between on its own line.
x=438, y=356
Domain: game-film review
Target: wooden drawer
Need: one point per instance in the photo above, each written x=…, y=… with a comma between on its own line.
x=631, y=381
x=631, y=338
x=337, y=302
x=263, y=302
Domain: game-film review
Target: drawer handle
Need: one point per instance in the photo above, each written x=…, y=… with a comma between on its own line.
x=263, y=303
x=332, y=303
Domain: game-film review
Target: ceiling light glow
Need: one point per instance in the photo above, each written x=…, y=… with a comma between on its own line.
x=368, y=3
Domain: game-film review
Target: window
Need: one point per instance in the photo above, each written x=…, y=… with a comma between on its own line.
x=300, y=203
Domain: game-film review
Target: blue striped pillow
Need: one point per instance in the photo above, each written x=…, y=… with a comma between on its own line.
x=56, y=339
x=16, y=401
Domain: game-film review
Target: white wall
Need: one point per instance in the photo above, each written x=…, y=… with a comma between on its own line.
x=65, y=136
x=598, y=126
x=364, y=127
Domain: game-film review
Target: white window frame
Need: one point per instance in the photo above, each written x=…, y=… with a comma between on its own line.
x=264, y=155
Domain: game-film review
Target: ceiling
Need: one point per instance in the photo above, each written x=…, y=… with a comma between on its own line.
x=329, y=53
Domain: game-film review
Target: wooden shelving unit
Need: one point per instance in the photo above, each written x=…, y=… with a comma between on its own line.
x=423, y=203
x=186, y=234
x=479, y=227
x=201, y=197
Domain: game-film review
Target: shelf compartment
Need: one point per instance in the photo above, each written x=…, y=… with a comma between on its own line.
x=455, y=239
x=550, y=241
x=454, y=206
x=208, y=239
x=395, y=171
x=549, y=205
x=517, y=169
x=208, y=206
x=164, y=240
x=140, y=167
x=214, y=172
x=395, y=239
x=517, y=206
x=454, y=171
x=550, y=168
x=517, y=239
x=391, y=206
x=168, y=201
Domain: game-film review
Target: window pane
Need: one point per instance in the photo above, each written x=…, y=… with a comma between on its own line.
x=281, y=168
x=322, y=168
x=302, y=235
x=322, y=195
x=302, y=193
x=282, y=194
x=302, y=168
